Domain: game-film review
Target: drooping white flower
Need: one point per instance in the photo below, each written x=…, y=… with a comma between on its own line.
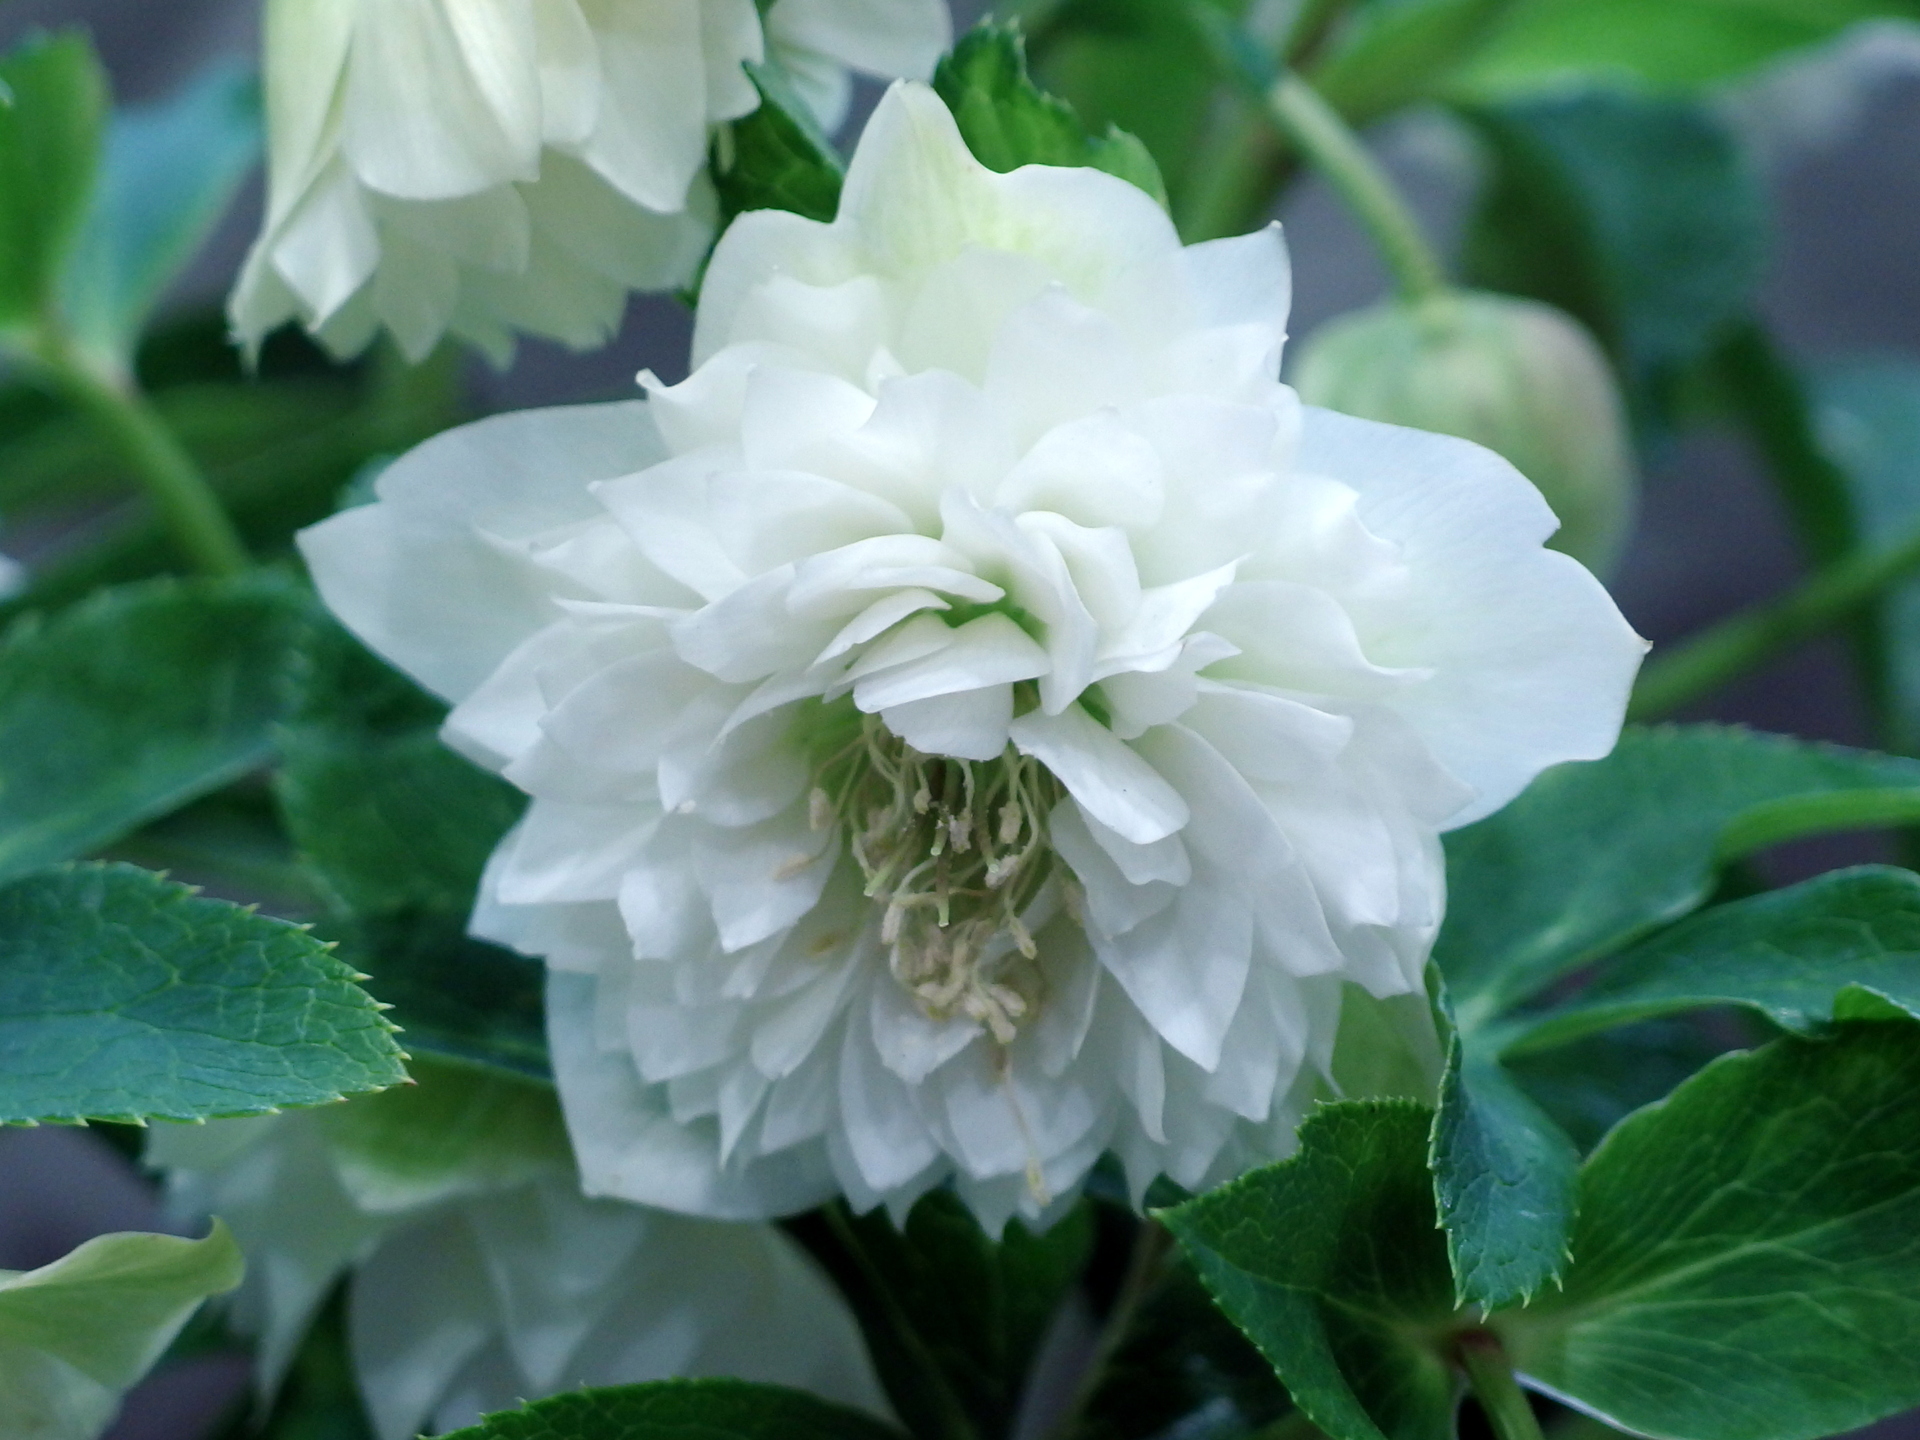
x=480, y=1275
x=979, y=719
x=493, y=166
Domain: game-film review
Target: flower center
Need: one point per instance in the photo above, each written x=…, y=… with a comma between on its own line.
x=955, y=852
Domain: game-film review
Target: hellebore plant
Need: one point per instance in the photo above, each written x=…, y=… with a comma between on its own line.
x=973, y=867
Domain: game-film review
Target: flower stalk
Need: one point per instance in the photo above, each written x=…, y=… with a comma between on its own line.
x=1333, y=149
x=179, y=489
x=1743, y=643
x=1490, y=1374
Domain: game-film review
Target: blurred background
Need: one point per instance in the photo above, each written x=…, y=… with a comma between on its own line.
x=1834, y=145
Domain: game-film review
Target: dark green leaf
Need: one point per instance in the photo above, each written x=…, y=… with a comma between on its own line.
x=944, y=1297
x=56, y=455
x=1137, y=66
x=171, y=172
x=124, y=997
x=320, y=1397
x=1663, y=42
x=1596, y=854
x=1589, y=1086
x=1334, y=1265
x=1868, y=417
x=1395, y=55
x=1841, y=946
x=681, y=1410
x=1008, y=122
x=777, y=158
x=1183, y=1372
x=1638, y=215
x=398, y=829
x=133, y=704
x=49, y=153
x=1745, y=1262
x=1503, y=1175
x=450, y=993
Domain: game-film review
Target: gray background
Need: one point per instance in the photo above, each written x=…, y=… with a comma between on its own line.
x=1845, y=277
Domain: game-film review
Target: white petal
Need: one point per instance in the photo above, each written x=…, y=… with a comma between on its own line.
x=412, y=576
x=650, y=139
x=1103, y=773
x=894, y=39
x=442, y=100
x=971, y=725
x=629, y=1146
x=1532, y=662
x=989, y=652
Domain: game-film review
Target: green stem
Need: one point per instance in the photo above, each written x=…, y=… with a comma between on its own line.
x=1150, y=1246
x=124, y=415
x=1330, y=144
x=1744, y=643
x=949, y=1415
x=1294, y=1425
x=1491, y=1375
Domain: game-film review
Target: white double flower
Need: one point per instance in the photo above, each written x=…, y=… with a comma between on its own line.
x=980, y=719
x=488, y=167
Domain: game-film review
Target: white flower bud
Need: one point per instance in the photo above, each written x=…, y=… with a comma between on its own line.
x=490, y=167
x=1521, y=378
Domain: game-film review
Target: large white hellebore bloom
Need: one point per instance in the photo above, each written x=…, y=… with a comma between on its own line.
x=481, y=1277
x=492, y=166
x=979, y=719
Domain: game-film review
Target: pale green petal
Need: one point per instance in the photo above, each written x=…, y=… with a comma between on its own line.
x=77, y=1333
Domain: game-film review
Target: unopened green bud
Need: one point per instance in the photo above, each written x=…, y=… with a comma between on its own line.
x=1523, y=379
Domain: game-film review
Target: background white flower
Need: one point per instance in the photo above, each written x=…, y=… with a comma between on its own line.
x=481, y=1276
x=979, y=719
x=492, y=166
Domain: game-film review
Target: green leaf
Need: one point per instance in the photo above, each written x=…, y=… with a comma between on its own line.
x=1596, y=854
x=1589, y=1086
x=681, y=1410
x=953, y=1319
x=398, y=828
x=77, y=1333
x=1745, y=1264
x=1503, y=1175
x=1183, y=1370
x=172, y=171
x=319, y=1397
x=459, y=1129
x=56, y=455
x=124, y=997
x=49, y=153
x=1843, y=946
x=1668, y=43
x=1333, y=1264
x=777, y=158
x=1868, y=417
x=1007, y=121
x=1398, y=54
x=133, y=704
x=1136, y=66
x=1640, y=216
x=393, y=819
